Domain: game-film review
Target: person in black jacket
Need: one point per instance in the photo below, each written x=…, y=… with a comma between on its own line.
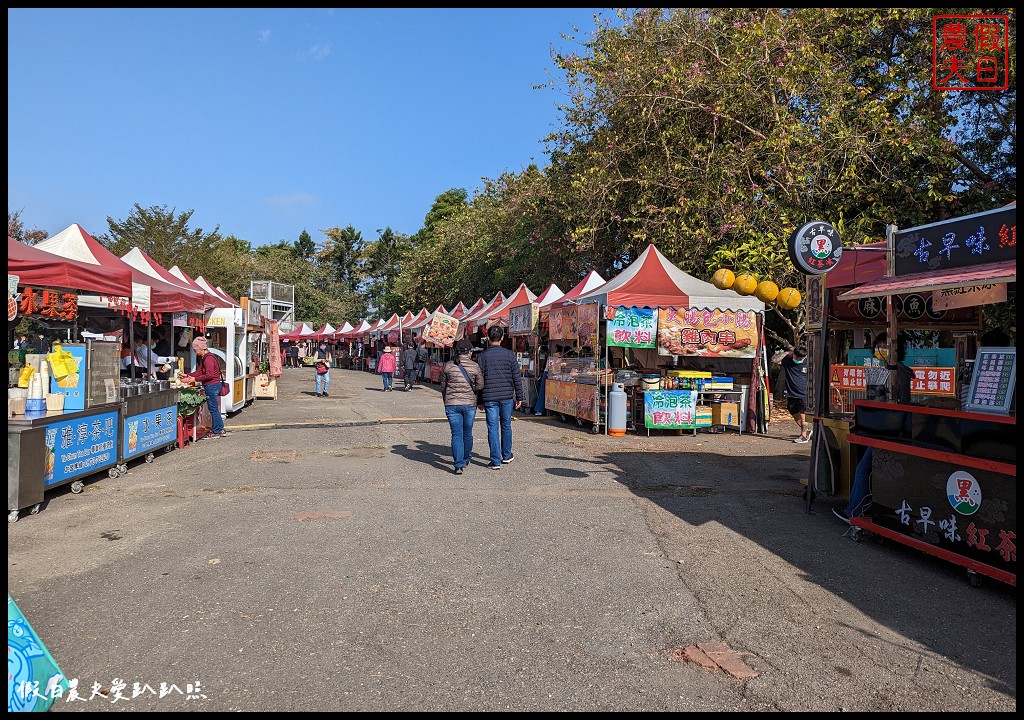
x=409, y=365
x=503, y=391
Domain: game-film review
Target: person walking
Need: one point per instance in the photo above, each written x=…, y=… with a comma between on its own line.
x=207, y=374
x=794, y=372
x=322, y=364
x=421, y=362
x=386, y=367
x=303, y=353
x=409, y=370
x=503, y=391
x=461, y=380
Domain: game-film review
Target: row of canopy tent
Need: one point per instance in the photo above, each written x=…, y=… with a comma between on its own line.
x=74, y=260
x=650, y=281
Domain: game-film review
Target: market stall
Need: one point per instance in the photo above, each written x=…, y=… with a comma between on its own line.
x=943, y=478
x=226, y=332
x=524, y=327
x=687, y=353
x=256, y=353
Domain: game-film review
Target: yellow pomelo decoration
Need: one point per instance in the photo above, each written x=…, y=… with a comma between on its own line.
x=788, y=298
x=766, y=291
x=723, y=279
x=745, y=284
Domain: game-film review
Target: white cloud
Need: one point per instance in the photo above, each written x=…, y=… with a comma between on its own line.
x=291, y=203
x=316, y=52
x=264, y=37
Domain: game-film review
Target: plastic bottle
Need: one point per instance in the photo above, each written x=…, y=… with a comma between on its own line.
x=617, y=410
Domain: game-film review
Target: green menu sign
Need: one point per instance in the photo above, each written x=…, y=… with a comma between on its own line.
x=631, y=327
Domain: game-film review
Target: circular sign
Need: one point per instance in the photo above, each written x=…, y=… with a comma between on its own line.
x=815, y=248
x=964, y=492
x=870, y=307
x=914, y=307
x=930, y=311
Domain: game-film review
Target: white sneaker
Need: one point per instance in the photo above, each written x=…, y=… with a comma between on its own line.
x=802, y=440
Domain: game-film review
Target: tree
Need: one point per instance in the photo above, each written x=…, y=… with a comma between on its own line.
x=382, y=263
x=342, y=251
x=304, y=246
x=164, y=236
x=16, y=229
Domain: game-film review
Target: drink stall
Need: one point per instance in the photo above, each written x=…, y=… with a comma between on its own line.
x=942, y=476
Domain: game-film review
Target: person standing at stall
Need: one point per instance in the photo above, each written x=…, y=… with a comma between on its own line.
x=421, y=362
x=461, y=380
x=794, y=370
x=503, y=391
x=207, y=374
x=409, y=370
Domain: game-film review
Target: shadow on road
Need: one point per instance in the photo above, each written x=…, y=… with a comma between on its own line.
x=439, y=456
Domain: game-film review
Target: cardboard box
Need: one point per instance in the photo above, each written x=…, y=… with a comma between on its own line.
x=725, y=413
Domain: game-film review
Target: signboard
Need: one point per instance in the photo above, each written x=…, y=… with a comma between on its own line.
x=707, y=333
x=560, y=397
x=149, y=431
x=630, y=327
x=848, y=377
x=815, y=248
x=72, y=385
x=670, y=409
x=79, y=447
x=992, y=384
x=933, y=381
x=815, y=299
x=586, y=402
x=12, y=284
x=562, y=323
x=442, y=330
x=870, y=311
x=588, y=315
x=968, y=296
x=51, y=304
x=961, y=242
x=522, y=320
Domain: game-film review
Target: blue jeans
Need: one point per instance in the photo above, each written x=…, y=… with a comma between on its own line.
x=460, y=420
x=499, y=429
x=388, y=379
x=324, y=379
x=213, y=403
x=421, y=371
x=859, y=489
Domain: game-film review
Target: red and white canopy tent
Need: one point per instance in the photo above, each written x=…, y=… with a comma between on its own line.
x=35, y=267
x=653, y=281
x=149, y=294
x=460, y=311
x=324, y=333
x=138, y=259
x=213, y=299
x=209, y=287
x=357, y=332
x=302, y=332
x=498, y=317
x=591, y=281
x=419, y=322
x=471, y=321
x=343, y=331
x=550, y=295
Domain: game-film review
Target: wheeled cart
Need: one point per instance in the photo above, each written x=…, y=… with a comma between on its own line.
x=47, y=450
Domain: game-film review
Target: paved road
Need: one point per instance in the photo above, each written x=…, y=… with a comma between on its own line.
x=324, y=557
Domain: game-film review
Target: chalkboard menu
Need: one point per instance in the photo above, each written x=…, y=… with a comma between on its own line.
x=993, y=380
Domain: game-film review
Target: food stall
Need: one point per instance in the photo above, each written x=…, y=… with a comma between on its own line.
x=943, y=478
x=688, y=354
x=574, y=368
x=517, y=343
x=524, y=326
x=256, y=346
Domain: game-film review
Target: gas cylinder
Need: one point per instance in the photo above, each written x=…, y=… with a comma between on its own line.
x=617, y=410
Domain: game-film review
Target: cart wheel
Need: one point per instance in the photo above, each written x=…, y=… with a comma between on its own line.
x=974, y=578
x=595, y=430
x=150, y=457
x=12, y=516
x=35, y=509
x=78, y=486
x=856, y=534
x=169, y=448
x=111, y=473
x=122, y=469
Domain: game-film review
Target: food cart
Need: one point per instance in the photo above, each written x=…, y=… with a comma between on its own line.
x=943, y=479
x=256, y=346
x=226, y=328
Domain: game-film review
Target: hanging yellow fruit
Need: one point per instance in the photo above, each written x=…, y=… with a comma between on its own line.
x=766, y=291
x=723, y=279
x=788, y=298
x=745, y=284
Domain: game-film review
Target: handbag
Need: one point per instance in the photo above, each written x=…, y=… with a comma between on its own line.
x=225, y=389
x=321, y=368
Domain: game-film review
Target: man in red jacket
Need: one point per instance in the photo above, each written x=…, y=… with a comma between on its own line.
x=207, y=374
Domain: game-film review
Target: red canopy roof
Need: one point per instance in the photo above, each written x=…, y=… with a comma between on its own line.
x=138, y=259
x=75, y=243
x=1004, y=271
x=590, y=282
x=858, y=264
x=499, y=315
x=460, y=311
x=653, y=281
x=38, y=267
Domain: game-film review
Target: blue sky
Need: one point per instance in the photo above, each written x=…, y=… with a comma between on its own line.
x=268, y=122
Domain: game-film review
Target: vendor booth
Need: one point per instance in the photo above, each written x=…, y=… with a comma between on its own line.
x=943, y=469
x=524, y=326
x=226, y=331
x=687, y=354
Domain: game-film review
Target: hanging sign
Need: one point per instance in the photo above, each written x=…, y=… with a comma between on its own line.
x=51, y=304
x=707, y=333
x=562, y=323
x=630, y=327
x=588, y=315
x=968, y=296
x=960, y=242
x=442, y=330
x=522, y=320
x=815, y=248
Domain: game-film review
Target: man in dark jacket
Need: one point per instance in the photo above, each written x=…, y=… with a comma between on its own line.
x=409, y=365
x=503, y=391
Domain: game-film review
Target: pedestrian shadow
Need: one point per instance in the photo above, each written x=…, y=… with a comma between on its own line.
x=439, y=456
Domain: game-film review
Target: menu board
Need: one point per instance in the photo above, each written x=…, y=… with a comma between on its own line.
x=630, y=327
x=670, y=409
x=522, y=319
x=707, y=332
x=562, y=323
x=992, y=384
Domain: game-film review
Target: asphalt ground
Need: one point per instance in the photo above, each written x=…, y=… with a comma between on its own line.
x=323, y=556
